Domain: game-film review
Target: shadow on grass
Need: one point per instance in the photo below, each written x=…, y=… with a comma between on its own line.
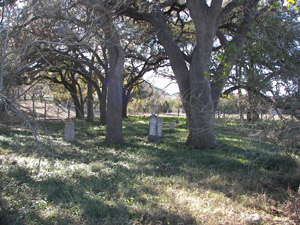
x=102, y=198
x=120, y=184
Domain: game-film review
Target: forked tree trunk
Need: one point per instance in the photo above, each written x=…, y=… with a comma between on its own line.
x=193, y=84
x=200, y=95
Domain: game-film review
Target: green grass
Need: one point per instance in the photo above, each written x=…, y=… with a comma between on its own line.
x=136, y=182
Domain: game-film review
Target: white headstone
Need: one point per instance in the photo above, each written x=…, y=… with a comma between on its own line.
x=152, y=126
x=69, y=131
x=155, y=127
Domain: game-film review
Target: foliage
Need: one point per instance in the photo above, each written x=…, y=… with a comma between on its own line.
x=146, y=97
x=269, y=64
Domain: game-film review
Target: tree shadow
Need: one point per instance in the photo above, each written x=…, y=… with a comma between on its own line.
x=101, y=198
x=117, y=191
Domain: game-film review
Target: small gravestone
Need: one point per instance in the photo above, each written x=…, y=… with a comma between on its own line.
x=130, y=124
x=69, y=131
x=172, y=126
x=152, y=127
x=155, y=128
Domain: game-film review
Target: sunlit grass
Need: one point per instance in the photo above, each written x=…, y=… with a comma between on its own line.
x=136, y=182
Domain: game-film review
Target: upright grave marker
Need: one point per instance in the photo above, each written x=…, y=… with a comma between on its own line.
x=155, y=127
x=69, y=131
x=172, y=126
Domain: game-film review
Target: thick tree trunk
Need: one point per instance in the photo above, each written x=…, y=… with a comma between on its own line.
x=114, y=105
x=115, y=84
x=193, y=83
x=90, y=103
x=201, y=126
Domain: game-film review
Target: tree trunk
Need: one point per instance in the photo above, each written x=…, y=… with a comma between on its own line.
x=115, y=83
x=81, y=102
x=90, y=103
x=199, y=95
x=241, y=113
x=253, y=114
x=124, y=110
x=201, y=105
x=114, y=105
x=195, y=89
x=78, y=107
x=102, y=94
x=125, y=105
x=103, y=105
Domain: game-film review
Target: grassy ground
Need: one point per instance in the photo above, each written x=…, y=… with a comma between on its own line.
x=90, y=182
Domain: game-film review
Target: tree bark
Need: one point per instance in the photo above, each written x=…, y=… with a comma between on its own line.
x=201, y=127
x=124, y=110
x=103, y=105
x=116, y=58
x=102, y=95
x=90, y=103
x=78, y=107
x=126, y=97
